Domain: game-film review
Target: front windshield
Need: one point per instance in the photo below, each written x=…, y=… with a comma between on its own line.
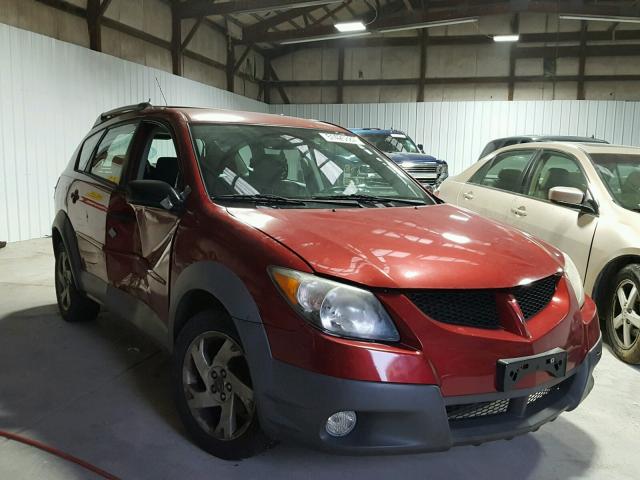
x=296, y=163
x=392, y=142
x=621, y=175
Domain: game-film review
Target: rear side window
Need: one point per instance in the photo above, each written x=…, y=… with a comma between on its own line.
x=112, y=153
x=506, y=171
x=88, y=147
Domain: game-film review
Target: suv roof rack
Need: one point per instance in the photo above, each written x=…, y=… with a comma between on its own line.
x=138, y=107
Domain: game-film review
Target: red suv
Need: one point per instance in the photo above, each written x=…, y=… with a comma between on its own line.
x=309, y=289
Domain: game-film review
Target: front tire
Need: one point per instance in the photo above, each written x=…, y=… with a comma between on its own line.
x=74, y=305
x=213, y=389
x=622, y=315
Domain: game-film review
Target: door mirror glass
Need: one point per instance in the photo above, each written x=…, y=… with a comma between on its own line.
x=154, y=193
x=567, y=196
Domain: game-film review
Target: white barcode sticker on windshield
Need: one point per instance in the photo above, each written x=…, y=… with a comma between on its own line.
x=341, y=138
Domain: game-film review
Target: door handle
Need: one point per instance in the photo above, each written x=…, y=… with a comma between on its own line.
x=75, y=196
x=520, y=211
x=468, y=195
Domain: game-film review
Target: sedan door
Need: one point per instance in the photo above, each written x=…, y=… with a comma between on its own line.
x=567, y=228
x=492, y=189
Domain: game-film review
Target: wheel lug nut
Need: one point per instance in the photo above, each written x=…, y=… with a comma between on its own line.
x=229, y=386
x=223, y=396
x=214, y=375
x=223, y=373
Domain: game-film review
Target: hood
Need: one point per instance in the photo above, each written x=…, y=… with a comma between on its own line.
x=438, y=246
x=400, y=157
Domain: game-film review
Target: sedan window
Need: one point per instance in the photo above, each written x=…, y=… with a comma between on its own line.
x=556, y=170
x=505, y=171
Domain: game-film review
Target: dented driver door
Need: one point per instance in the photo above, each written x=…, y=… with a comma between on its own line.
x=139, y=238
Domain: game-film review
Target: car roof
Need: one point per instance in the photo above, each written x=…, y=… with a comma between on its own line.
x=573, y=146
x=216, y=115
x=376, y=131
x=550, y=138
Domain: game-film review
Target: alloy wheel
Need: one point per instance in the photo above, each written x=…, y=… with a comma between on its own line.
x=64, y=280
x=626, y=314
x=217, y=386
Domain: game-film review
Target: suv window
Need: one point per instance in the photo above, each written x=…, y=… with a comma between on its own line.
x=556, y=170
x=160, y=160
x=112, y=152
x=506, y=171
x=88, y=147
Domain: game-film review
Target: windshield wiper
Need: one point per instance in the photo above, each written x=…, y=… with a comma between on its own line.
x=259, y=198
x=371, y=198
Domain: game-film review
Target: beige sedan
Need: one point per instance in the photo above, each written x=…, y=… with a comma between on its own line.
x=582, y=198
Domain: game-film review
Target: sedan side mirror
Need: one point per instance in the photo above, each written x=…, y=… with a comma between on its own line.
x=154, y=193
x=570, y=196
x=421, y=147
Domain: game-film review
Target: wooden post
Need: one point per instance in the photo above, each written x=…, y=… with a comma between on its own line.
x=424, y=38
x=176, y=40
x=340, y=93
x=93, y=23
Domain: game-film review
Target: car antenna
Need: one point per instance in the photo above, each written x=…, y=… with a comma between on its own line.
x=162, y=93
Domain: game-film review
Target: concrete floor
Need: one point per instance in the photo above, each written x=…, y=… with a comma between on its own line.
x=101, y=391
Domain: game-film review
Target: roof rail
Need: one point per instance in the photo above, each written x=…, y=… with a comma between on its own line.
x=121, y=110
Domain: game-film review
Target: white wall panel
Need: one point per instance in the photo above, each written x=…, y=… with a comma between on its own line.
x=458, y=131
x=50, y=94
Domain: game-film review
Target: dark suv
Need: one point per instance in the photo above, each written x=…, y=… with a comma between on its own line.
x=309, y=289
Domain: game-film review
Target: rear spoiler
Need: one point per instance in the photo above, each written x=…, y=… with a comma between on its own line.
x=120, y=111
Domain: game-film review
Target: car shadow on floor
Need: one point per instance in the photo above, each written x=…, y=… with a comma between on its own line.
x=65, y=382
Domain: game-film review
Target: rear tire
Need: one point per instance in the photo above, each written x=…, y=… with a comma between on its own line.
x=622, y=314
x=213, y=389
x=74, y=305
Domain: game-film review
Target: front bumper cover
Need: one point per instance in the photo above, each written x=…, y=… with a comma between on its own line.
x=403, y=418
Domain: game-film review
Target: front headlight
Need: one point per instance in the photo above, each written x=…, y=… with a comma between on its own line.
x=335, y=308
x=575, y=280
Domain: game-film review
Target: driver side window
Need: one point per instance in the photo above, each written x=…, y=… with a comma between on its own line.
x=159, y=158
x=556, y=170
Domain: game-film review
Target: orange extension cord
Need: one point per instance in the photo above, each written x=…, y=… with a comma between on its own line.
x=58, y=453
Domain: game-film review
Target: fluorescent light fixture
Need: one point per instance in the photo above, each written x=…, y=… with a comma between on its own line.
x=506, y=38
x=436, y=23
x=319, y=38
x=350, y=27
x=567, y=16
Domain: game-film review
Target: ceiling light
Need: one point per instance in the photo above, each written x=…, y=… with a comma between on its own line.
x=319, y=38
x=506, y=38
x=566, y=16
x=350, y=27
x=435, y=23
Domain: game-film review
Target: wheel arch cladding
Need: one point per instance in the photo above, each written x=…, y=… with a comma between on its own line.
x=62, y=232
x=214, y=280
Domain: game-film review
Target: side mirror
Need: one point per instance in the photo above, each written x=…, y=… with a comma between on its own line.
x=154, y=193
x=421, y=147
x=570, y=196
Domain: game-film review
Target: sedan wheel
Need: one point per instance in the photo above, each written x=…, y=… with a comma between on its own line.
x=626, y=314
x=621, y=312
x=64, y=281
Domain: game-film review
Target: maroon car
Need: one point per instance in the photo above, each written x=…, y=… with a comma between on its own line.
x=309, y=289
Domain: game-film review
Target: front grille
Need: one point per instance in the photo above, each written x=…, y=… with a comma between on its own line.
x=478, y=308
x=473, y=308
x=533, y=298
x=468, y=411
x=422, y=169
x=474, y=410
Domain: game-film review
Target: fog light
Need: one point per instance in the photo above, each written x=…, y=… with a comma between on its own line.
x=341, y=423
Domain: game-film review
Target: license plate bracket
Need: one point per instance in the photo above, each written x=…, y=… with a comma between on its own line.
x=511, y=370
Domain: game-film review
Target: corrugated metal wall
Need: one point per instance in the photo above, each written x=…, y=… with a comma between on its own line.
x=50, y=94
x=458, y=131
